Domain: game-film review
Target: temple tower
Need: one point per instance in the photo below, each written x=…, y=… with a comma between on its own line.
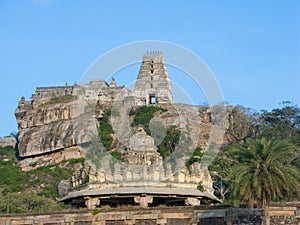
x=153, y=83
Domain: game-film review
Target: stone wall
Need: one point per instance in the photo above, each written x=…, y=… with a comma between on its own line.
x=8, y=141
x=285, y=214
x=162, y=216
x=46, y=93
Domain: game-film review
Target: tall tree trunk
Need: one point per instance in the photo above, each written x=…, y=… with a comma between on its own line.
x=267, y=216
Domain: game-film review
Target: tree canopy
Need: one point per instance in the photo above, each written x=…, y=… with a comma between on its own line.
x=263, y=163
x=262, y=170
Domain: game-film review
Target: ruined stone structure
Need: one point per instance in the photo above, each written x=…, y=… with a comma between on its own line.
x=140, y=178
x=8, y=141
x=43, y=94
x=153, y=83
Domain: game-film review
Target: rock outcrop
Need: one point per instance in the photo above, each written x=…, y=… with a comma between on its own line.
x=52, y=129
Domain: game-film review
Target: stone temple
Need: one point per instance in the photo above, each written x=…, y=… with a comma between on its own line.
x=51, y=130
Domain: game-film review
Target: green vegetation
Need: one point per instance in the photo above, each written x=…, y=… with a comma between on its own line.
x=143, y=115
x=61, y=99
x=105, y=130
x=96, y=211
x=27, y=203
x=117, y=155
x=262, y=170
x=282, y=123
x=14, y=178
x=200, y=187
x=196, y=157
x=79, y=160
x=49, y=177
x=38, y=186
x=169, y=143
x=263, y=165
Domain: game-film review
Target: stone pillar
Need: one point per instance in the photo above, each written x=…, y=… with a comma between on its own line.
x=192, y=201
x=91, y=203
x=143, y=200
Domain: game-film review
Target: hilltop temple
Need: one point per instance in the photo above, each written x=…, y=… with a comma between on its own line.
x=47, y=130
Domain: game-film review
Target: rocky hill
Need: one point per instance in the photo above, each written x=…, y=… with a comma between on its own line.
x=53, y=129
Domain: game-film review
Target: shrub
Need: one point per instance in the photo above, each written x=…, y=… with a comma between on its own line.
x=27, y=203
x=143, y=115
x=61, y=99
x=170, y=142
x=196, y=157
x=96, y=211
x=79, y=160
x=106, y=130
x=200, y=187
x=117, y=155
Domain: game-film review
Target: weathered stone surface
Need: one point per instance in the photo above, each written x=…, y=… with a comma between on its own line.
x=51, y=158
x=8, y=141
x=143, y=201
x=92, y=203
x=56, y=136
x=64, y=187
x=165, y=216
x=192, y=201
x=153, y=83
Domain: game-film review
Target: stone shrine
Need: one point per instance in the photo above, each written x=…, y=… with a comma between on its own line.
x=140, y=177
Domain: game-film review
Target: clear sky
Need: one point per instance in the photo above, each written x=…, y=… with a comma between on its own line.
x=253, y=47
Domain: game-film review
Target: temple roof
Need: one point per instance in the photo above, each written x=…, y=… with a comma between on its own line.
x=158, y=191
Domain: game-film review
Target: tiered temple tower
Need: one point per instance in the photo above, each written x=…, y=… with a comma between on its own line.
x=153, y=83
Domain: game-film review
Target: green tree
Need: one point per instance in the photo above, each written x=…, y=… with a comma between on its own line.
x=262, y=171
x=283, y=123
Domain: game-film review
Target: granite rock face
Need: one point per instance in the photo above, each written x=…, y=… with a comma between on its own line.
x=64, y=187
x=53, y=127
x=58, y=123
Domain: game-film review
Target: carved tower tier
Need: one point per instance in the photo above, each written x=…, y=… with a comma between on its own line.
x=153, y=83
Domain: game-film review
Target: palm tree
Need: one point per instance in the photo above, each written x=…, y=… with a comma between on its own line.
x=262, y=171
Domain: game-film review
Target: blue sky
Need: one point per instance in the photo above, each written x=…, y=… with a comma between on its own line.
x=253, y=47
